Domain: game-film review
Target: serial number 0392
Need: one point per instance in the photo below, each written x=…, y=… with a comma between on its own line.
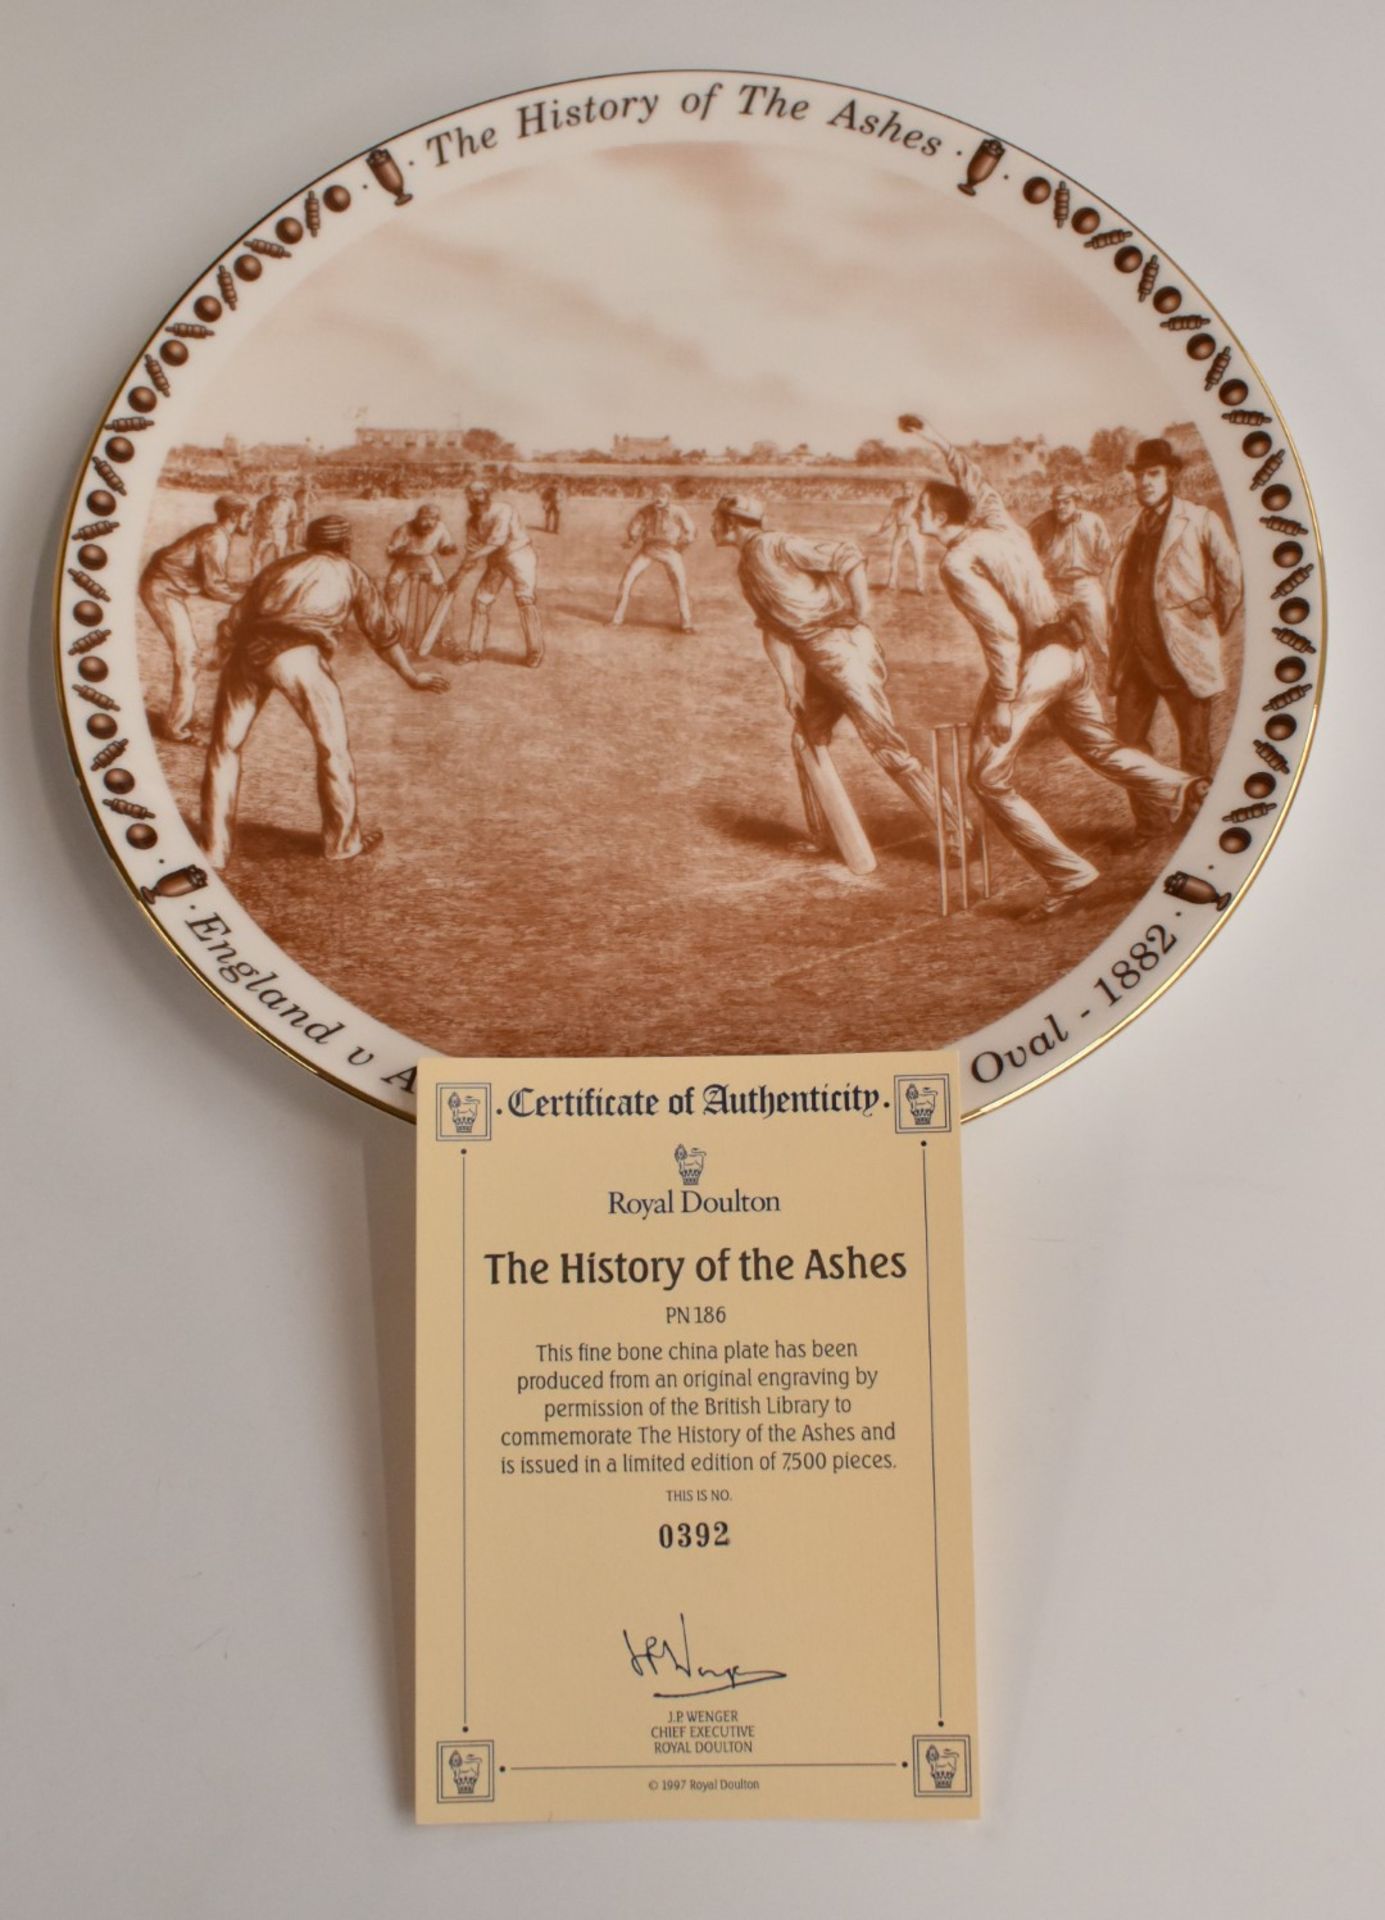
x=699, y=1533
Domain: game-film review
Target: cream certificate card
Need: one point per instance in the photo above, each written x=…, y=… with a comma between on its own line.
x=694, y=1523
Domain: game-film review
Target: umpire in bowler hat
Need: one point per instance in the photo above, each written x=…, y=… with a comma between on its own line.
x=1175, y=588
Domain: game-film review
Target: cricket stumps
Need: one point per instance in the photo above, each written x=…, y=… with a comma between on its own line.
x=949, y=755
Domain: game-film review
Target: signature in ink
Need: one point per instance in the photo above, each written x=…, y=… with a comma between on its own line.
x=659, y=1655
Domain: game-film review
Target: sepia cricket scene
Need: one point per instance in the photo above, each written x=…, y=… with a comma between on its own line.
x=695, y=599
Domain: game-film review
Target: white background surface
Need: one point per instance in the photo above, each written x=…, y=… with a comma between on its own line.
x=1174, y=1279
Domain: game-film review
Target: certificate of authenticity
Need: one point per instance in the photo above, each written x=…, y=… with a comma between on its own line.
x=693, y=1508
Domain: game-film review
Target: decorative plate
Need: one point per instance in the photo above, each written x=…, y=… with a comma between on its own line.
x=690, y=562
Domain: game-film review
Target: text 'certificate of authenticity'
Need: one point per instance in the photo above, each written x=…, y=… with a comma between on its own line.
x=694, y=1511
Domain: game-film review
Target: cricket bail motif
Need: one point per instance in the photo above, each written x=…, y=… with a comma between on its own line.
x=691, y=1161
x=463, y=1109
x=923, y=1102
x=942, y=1764
x=466, y=1772
x=1196, y=891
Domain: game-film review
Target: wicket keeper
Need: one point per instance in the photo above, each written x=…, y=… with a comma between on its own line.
x=413, y=553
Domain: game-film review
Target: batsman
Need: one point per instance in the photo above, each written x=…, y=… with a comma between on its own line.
x=497, y=540
x=812, y=606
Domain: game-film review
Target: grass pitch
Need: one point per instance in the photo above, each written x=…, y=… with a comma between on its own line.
x=607, y=855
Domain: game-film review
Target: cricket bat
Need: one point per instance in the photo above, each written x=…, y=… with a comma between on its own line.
x=442, y=612
x=821, y=779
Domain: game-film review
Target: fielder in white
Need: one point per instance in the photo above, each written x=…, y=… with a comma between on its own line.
x=1076, y=551
x=304, y=501
x=659, y=532
x=1037, y=662
x=271, y=527
x=901, y=524
x=281, y=639
x=497, y=540
x=190, y=568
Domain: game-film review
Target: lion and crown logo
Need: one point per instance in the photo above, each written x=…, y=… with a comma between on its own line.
x=466, y=1771
x=923, y=1102
x=691, y=1161
x=942, y=1764
x=463, y=1109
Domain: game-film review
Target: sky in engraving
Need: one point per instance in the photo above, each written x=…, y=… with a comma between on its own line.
x=719, y=294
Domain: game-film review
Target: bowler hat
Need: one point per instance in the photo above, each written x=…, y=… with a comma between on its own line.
x=1154, y=453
